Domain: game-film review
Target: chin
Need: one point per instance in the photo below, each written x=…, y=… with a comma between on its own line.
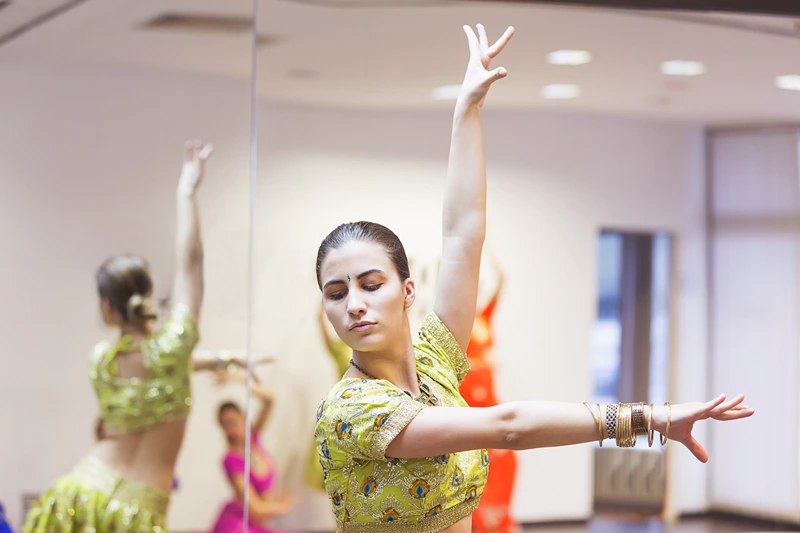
x=368, y=343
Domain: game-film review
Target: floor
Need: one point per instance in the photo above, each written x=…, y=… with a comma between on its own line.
x=695, y=525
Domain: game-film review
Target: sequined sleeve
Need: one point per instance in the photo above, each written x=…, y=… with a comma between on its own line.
x=438, y=344
x=179, y=333
x=360, y=420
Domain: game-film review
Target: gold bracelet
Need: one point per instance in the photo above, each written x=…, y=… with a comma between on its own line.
x=625, y=435
x=637, y=419
x=224, y=361
x=665, y=435
x=650, y=430
x=597, y=422
x=631, y=434
x=623, y=425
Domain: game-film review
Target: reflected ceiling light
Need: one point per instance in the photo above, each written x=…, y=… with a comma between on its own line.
x=790, y=82
x=560, y=91
x=569, y=57
x=446, y=92
x=679, y=67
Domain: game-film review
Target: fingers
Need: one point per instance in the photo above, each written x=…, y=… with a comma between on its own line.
x=205, y=151
x=474, y=45
x=736, y=413
x=710, y=406
x=726, y=406
x=197, y=149
x=696, y=449
x=501, y=43
x=484, y=41
x=497, y=74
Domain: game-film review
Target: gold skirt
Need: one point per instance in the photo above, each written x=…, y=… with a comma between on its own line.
x=95, y=498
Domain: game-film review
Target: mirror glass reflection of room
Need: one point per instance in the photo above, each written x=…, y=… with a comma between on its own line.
x=122, y=247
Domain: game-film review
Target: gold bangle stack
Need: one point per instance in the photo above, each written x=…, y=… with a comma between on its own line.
x=631, y=422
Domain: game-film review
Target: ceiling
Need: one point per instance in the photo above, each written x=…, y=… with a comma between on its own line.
x=381, y=54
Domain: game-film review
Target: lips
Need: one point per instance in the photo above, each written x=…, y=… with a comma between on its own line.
x=361, y=326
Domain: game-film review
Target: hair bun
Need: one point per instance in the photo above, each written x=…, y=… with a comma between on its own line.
x=139, y=309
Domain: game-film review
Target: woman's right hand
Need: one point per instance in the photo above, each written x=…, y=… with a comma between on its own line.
x=224, y=376
x=478, y=77
x=240, y=359
x=194, y=160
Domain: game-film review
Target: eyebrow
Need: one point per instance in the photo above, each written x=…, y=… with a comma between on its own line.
x=362, y=275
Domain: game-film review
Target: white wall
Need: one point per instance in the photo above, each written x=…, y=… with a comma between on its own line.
x=68, y=132
x=755, y=334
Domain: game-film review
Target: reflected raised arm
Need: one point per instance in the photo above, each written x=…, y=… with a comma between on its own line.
x=188, y=284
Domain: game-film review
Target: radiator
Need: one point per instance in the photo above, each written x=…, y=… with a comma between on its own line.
x=629, y=480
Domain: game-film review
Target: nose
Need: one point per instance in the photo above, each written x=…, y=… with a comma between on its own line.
x=355, y=304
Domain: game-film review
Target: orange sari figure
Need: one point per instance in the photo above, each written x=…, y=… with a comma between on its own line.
x=494, y=513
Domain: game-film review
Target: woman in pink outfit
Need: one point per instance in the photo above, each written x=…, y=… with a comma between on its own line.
x=264, y=500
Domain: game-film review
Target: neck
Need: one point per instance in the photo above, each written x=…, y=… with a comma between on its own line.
x=134, y=330
x=396, y=364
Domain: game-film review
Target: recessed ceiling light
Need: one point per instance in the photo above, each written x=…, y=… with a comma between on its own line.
x=680, y=67
x=569, y=57
x=790, y=82
x=560, y=91
x=446, y=92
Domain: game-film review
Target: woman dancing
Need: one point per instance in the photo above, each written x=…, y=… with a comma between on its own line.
x=263, y=500
x=143, y=388
x=400, y=449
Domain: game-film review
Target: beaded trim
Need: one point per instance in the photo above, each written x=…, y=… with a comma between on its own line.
x=431, y=524
x=398, y=420
x=444, y=338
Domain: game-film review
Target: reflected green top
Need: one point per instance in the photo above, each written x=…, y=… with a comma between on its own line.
x=341, y=354
x=133, y=404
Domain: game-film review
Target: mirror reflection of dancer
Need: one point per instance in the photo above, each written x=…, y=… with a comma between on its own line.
x=493, y=515
x=225, y=359
x=143, y=388
x=341, y=354
x=401, y=450
x=264, y=501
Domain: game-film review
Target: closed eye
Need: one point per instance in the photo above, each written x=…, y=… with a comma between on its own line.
x=372, y=288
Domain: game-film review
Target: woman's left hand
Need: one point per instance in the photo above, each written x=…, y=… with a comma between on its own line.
x=682, y=417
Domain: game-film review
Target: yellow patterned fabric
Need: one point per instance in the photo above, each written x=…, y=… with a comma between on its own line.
x=94, y=498
x=133, y=404
x=341, y=354
x=357, y=421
